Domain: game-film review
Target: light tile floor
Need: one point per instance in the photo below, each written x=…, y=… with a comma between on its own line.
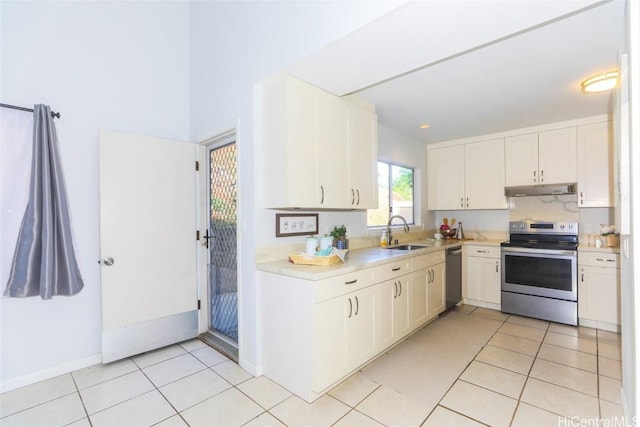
x=470, y=367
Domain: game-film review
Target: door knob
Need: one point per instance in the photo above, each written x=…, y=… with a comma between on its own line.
x=108, y=261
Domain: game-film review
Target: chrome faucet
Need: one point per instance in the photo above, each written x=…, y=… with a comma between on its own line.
x=389, y=236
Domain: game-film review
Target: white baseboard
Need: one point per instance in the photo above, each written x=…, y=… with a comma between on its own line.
x=482, y=304
x=255, y=370
x=45, y=374
x=612, y=327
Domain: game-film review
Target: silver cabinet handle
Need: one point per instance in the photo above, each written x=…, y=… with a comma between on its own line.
x=496, y=266
x=357, y=306
x=534, y=176
x=467, y=202
x=358, y=194
x=322, y=198
x=400, y=289
x=351, y=282
x=108, y=261
x=353, y=197
x=350, y=308
x=542, y=175
x=582, y=274
x=462, y=202
x=395, y=269
x=482, y=252
x=395, y=290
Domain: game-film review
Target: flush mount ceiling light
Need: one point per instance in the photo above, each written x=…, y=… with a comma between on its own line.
x=601, y=82
x=425, y=126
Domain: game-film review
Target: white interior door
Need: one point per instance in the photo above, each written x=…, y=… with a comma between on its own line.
x=147, y=243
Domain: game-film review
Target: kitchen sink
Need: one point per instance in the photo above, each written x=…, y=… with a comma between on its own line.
x=408, y=247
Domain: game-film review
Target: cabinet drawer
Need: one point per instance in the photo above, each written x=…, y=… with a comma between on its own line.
x=426, y=260
x=385, y=272
x=343, y=284
x=483, y=251
x=599, y=259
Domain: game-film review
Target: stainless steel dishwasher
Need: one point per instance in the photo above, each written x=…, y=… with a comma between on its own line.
x=453, y=276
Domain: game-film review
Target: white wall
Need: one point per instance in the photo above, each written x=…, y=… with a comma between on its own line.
x=234, y=45
x=630, y=247
x=102, y=65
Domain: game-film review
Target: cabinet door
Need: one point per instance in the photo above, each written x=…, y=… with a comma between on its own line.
x=599, y=294
x=289, y=123
x=331, y=151
x=437, y=295
x=485, y=175
x=446, y=178
x=362, y=158
x=418, y=298
x=483, y=279
x=330, y=341
x=394, y=311
x=401, y=307
x=361, y=327
x=595, y=165
x=521, y=160
x=557, y=156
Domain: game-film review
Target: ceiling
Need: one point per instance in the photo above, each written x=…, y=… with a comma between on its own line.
x=475, y=67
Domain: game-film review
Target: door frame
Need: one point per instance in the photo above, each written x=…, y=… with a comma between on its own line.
x=202, y=221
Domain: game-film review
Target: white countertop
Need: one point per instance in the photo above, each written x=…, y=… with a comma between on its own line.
x=583, y=247
x=363, y=258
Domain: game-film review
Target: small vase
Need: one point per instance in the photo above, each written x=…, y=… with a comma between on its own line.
x=341, y=243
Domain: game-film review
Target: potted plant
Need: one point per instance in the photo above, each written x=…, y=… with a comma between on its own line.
x=339, y=235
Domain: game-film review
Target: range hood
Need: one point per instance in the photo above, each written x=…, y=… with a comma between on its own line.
x=540, y=190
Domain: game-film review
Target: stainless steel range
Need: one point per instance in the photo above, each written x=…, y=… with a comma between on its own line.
x=540, y=271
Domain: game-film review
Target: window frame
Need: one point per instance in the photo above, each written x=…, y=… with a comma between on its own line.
x=390, y=165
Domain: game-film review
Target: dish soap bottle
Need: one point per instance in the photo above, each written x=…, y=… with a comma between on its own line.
x=384, y=239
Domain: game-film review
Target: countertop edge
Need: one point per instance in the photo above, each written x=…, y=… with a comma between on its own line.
x=359, y=259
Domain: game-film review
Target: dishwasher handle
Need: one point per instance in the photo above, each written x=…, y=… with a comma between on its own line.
x=454, y=251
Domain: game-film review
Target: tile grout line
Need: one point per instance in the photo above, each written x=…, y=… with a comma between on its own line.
x=461, y=372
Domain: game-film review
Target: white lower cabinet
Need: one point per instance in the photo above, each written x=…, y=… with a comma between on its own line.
x=599, y=290
x=316, y=333
x=419, y=304
x=345, y=335
x=394, y=310
x=483, y=274
x=437, y=295
x=427, y=295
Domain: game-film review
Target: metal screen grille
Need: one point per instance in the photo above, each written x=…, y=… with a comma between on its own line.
x=223, y=278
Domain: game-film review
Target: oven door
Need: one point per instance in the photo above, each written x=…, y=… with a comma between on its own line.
x=546, y=273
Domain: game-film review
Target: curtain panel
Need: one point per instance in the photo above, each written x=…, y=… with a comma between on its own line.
x=44, y=261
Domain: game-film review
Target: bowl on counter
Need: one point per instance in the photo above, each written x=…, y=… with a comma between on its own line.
x=449, y=233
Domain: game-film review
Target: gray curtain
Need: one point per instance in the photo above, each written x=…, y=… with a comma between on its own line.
x=44, y=262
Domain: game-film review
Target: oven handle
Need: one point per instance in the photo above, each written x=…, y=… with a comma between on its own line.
x=539, y=251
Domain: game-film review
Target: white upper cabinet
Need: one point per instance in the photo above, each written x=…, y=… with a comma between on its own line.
x=469, y=176
x=330, y=155
x=521, y=156
x=557, y=161
x=362, y=192
x=595, y=165
x=541, y=158
x=310, y=140
x=446, y=178
x=484, y=175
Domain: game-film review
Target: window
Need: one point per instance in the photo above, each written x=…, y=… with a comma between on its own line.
x=395, y=195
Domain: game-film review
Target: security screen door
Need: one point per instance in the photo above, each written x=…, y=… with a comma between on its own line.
x=147, y=243
x=222, y=241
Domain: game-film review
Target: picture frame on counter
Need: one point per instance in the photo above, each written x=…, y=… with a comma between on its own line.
x=296, y=224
